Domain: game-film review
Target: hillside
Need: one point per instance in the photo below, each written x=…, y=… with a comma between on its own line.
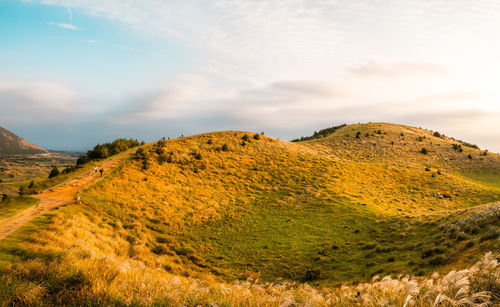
x=11, y=144
x=180, y=220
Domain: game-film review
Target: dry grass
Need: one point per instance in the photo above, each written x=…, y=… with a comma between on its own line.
x=80, y=261
x=154, y=232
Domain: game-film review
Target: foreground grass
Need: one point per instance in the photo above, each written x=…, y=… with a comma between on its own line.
x=243, y=221
x=76, y=258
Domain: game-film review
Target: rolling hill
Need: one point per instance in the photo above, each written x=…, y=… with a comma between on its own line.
x=212, y=218
x=11, y=144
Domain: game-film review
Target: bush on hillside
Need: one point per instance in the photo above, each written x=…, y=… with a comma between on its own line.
x=245, y=138
x=437, y=134
x=54, y=172
x=470, y=145
x=319, y=134
x=162, y=158
x=424, y=151
x=4, y=197
x=256, y=136
x=457, y=147
x=225, y=147
x=21, y=190
x=101, y=151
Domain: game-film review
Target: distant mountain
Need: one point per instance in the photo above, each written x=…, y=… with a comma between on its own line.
x=11, y=144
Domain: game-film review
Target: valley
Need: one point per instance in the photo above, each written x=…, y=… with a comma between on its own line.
x=238, y=209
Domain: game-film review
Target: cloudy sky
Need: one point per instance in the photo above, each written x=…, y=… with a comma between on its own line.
x=77, y=72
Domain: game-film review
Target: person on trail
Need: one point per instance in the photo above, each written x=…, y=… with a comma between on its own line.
x=95, y=170
x=101, y=170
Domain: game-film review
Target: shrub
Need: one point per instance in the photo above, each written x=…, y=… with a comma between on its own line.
x=245, y=138
x=431, y=252
x=21, y=191
x=141, y=153
x=438, y=260
x=4, y=197
x=318, y=134
x=379, y=132
x=437, y=134
x=197, y=156
x=54, y=172
x=160, y=250
x=184, y=251
x=162, y=158
x=461, y=236
x=209, y=142
x=358, y=134
x=82, y=160
x=31, y=184
x=224, y=147
x=469, y=156
x=420, y=139
x=256, y=136
x=145, y=164
x=491, y=234
x=312, y=275
x=424, y=151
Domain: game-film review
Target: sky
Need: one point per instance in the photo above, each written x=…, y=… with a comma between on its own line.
x=78, y=72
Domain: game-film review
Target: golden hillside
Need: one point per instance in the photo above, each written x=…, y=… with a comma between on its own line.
x=202, y=211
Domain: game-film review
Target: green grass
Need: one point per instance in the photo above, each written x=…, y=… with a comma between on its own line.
x=278, y=210
x=15, y=204
x=269, y=209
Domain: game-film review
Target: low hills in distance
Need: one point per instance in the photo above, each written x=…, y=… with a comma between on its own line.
x=210, y=218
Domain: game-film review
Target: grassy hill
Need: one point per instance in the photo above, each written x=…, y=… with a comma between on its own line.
x=202, y=211
x=11, y=144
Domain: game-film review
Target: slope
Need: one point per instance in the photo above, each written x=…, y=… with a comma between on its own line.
x=11, y=144
x=236, y=206
x=168, y=226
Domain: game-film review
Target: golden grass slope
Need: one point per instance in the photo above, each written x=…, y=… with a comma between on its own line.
x=78, y=260
x=237, y=219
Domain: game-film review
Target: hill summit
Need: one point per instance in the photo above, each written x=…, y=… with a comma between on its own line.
x=11, y=144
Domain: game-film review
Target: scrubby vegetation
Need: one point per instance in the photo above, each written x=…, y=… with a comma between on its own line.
x=203, y=220
x=319, y=134
x=102, y=151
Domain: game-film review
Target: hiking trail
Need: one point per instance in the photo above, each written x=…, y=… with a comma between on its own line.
x=59, y=195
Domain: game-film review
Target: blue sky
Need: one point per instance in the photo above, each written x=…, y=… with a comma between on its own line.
x=75, y=72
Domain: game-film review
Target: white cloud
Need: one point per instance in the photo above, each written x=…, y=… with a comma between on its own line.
x=305, y=62
x=64, y=25
x=126, y=48
x=398, y=70
x=91, y=41
x=36, y=101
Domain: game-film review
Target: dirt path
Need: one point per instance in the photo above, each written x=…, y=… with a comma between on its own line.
x=60, y=195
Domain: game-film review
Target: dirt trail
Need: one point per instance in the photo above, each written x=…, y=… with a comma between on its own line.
x=60, y=195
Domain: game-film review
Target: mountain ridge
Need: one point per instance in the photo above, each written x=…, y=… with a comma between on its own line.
x=11, y=144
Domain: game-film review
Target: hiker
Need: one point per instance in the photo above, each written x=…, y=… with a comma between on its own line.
x=95, y=170
x=101, y=170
